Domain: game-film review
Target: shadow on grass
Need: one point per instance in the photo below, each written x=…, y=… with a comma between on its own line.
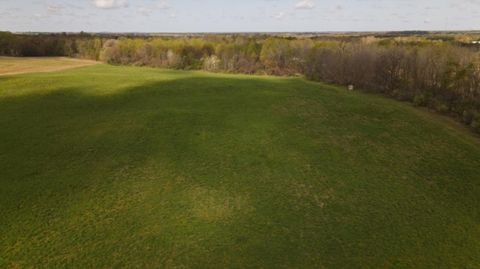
x=44, y=132
x=196, y=149
x=258, y=172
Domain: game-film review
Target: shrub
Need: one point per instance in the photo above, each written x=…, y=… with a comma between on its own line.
x=476, y=125
x=420, y=100
x=467, y=117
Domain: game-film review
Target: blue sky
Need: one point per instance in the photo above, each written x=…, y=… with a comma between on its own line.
x=238, y=16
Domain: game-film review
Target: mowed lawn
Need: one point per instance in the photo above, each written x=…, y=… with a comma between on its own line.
x=129, y=167
x=17, y=65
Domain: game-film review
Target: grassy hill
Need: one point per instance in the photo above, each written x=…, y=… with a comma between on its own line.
x=105, y=166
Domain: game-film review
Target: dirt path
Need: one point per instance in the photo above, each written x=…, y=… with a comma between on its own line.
x=20, y=65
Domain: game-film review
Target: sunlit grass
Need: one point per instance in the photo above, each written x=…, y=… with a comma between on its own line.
x=104, y=167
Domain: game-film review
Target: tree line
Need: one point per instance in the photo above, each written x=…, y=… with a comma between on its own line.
x=438, y=72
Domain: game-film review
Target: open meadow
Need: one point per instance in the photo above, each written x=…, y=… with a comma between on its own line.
x=115, y=166
x=17, y=65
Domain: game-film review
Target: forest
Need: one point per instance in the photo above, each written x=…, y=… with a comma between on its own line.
x=437, y=71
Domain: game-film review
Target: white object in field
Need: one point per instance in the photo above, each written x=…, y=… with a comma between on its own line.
x=351, y=87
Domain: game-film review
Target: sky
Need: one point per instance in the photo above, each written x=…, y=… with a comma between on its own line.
x=237, y=15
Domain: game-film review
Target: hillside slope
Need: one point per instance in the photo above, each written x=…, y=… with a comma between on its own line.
x=130, y=167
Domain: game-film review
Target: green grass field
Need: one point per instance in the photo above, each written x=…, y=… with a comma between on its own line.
x=128, y=167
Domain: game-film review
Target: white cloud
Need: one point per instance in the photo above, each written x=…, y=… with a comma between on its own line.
x=305, y=4
x=40, y=16
x=163, y=4
x=54, y=8
x=147, y=10
x=108, y=4
x=279, y=15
